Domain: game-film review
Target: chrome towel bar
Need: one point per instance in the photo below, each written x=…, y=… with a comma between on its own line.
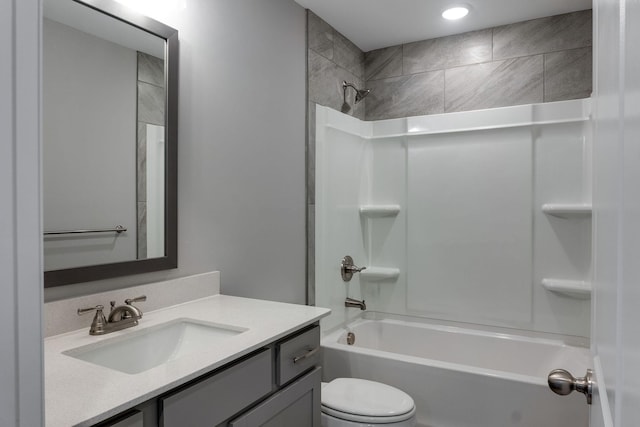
x=117, y=229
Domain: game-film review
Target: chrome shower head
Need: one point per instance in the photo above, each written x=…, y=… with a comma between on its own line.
x=360, y=93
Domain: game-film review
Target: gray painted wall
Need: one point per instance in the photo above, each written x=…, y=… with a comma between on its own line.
x=241, y=178
x=89, y=147
x=21, y=394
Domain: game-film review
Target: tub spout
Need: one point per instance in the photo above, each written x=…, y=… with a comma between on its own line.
x=350, y=302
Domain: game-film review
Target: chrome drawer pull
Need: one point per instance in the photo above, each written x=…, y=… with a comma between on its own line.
x=306, y=355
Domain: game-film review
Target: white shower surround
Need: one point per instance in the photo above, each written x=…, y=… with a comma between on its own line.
x=467, y=237
x=460, y=376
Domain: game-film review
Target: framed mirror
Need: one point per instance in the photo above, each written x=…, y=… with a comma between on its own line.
x=110, y=96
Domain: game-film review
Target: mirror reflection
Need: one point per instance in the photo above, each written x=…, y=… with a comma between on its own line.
x=104, y=139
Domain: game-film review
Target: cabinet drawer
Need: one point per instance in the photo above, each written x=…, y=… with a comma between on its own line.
x=298, y=354
x=297, y=405
x=217, y=398
x=132, y=418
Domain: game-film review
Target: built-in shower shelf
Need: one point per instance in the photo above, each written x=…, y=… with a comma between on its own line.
x=379, y=211
x=578, y=289
x=378, y=274
x=565, y=210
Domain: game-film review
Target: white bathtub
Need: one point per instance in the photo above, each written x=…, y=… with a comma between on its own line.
x=461, y=377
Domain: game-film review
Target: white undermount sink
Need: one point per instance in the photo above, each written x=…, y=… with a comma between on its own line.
x=138, y=351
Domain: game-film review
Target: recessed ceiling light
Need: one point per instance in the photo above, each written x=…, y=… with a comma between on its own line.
x=455, y=12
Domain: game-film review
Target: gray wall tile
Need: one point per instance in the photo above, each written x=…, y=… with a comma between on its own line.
x=150, y=104
x=446, y=52
x=498, y=83
x=405, y=96
x=325, y=84
x=150, y=69
x=141, y=163
x=383, y=63
x=567, y=74
x=348, y=55
x=320, y=35
x=494, y=84
x=311, y=154
x=142, y=230
x=560, y=32
x=484, y=87
x=332, y=59
x=311, y=254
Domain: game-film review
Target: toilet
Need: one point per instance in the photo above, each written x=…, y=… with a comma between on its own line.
x=353, y=402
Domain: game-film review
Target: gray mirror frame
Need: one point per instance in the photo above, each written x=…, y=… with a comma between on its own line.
x=170, y=260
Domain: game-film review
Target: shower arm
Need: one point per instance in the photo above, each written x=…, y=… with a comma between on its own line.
x=345, y=85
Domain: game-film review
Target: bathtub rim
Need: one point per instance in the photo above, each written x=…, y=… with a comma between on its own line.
x=330, y=340
x=489, y=330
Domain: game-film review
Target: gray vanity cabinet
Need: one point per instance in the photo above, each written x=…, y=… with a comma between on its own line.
x=215, y=399
x=277, y=386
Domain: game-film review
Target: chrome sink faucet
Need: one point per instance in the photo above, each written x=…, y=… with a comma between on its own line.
x=120, y=317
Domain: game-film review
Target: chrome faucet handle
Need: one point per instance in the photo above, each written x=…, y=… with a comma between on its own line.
x=129, y=302
x=141, y=298
x=97, y=308
x=347, y=268
x=99, y=323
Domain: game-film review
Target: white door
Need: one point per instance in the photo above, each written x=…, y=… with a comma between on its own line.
x=616, y=201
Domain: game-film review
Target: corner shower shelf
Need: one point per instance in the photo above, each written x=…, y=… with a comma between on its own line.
x=572, y=288
x=565, y=210
x=379, y=211
x=377, y=274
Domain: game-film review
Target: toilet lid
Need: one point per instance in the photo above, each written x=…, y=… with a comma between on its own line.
x=366, y=398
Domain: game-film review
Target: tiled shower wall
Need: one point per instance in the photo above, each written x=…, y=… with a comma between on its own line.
x=332, y=59
x=542, y=60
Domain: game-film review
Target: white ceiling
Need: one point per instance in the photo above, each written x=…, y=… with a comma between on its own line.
x=373, y=24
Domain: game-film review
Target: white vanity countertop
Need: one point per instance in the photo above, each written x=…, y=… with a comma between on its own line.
x=79, y=393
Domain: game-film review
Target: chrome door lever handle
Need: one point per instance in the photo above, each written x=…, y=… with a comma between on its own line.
x=562, y=382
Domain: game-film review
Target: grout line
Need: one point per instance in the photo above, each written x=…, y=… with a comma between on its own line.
x=444, y=91
x=544, y=76
x=547, y=51
x=493, y=34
